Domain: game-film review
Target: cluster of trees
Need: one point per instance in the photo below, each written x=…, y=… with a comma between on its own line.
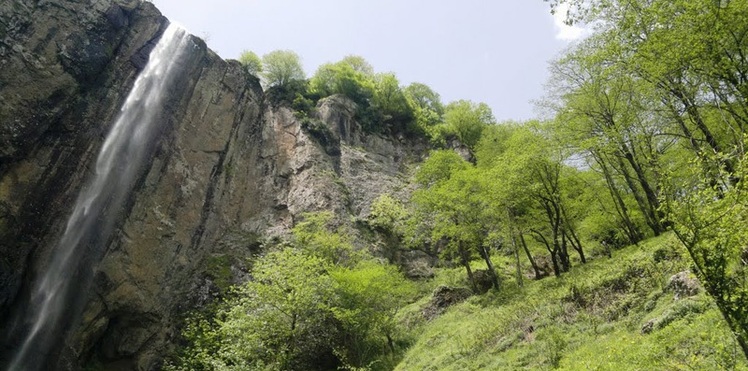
x=647, y=135
x=657, y=100
x=518, y=196
x=314, y=303
x=384, y=105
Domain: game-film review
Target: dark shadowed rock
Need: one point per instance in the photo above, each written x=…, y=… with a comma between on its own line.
x=483, y=281
x=444, y=297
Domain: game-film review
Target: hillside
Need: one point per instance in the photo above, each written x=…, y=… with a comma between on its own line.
x=620, y=313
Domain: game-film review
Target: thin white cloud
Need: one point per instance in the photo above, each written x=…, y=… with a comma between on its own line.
x=565, y=32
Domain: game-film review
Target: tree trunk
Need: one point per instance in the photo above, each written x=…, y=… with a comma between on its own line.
x=529, y=257
x=650, y=219
x=563, y=254
x=554, y=259
x=486, y=255
x=520, y=282
x=572, y=236
x=575, y=245
x=390, y=343
x=631, y=231
x=465, y=259
x=653, y=201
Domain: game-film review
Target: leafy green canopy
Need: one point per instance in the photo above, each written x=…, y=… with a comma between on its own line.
x=465, y=120
x=251, y=62
x=281, y=67
x=315, y=304
x=658, y=98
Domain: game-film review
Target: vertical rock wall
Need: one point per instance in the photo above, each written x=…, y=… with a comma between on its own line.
x=227, y=165
x=65, y=69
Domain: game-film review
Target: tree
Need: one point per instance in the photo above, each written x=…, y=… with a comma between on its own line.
x=311, y=304
x=280, y=67
x=277, y=321
x=603, y=112
x=350, y=77
x=390, y=101
x=388, y=216
x=251, y=62
x=368, y=297
x=316, y=235
x=359, y=64
x=710, y=222
x=688, y=58
x=424, y=97
x=451, y=200
x=505, y=191
x=533, y=188
x=465, y=121
x=427, y=106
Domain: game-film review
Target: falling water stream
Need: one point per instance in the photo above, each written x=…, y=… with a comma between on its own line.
x=119, y=163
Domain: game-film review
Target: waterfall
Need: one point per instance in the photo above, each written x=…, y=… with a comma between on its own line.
x=58, y=290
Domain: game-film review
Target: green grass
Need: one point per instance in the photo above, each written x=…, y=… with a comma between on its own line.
x=590, y=319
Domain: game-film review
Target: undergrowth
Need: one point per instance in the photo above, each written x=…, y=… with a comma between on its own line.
x=610, y=314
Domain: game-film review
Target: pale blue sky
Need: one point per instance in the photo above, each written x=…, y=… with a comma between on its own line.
x=492, y=51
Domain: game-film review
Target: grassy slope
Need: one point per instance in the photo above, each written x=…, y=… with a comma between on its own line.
x=589, y=319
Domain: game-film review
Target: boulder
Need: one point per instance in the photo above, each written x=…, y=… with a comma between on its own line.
x=683, y=285
x=444, y=297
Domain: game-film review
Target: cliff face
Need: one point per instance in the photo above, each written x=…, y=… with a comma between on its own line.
x=227, y=166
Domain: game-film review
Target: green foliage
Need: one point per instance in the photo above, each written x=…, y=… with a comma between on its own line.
x=359, y=64
x=251, y=62
x=314, y=305
x=288, y=302
x=708, y=221
x=539, y=327
x=439, y=167
x=660, y=73
x=465, y=121
x=647, y=136
x=293, y=94
x=346, y=77
x=553, y=344
x=277, y=321
x=317, y=235
x=427, y=108
x=322, y=134
x=382, y=104
x=454, y=210
x=426, y=99
x=281, y=67
x=219, y=269
x=369, y=296
x=388, y=214
x=391, y=102
x=493, y=143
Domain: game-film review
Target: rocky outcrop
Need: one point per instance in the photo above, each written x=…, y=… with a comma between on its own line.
x=683, y=284
x=227, y=167
x=444, y=297
x=307, y=177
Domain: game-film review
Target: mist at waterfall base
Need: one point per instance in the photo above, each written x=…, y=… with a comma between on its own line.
x=45, y=314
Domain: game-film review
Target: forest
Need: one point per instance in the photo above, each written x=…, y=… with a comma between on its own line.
x=608, y=234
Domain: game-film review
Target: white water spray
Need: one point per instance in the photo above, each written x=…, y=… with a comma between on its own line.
x=117, y=166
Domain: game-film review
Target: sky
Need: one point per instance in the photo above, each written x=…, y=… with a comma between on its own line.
x=492, y=51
